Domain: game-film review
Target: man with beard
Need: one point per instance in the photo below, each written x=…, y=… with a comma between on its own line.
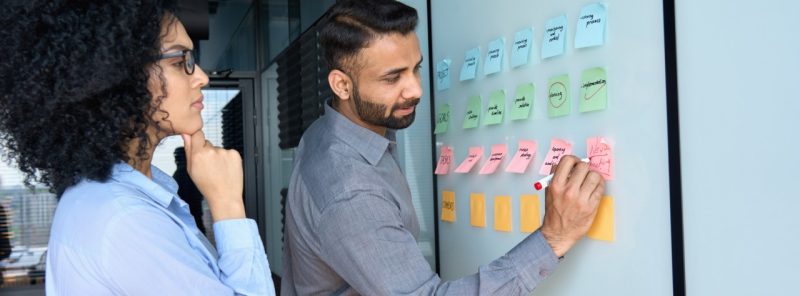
x=350, y=224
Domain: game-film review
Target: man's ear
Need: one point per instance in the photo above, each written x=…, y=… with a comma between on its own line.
x=341, y=84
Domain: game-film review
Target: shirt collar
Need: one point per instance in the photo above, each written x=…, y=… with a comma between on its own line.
x=162, y=188
x=370, y=145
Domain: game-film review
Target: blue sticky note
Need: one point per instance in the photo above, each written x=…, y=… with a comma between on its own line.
x=443, y=75
x=521, y=49
x=470, y=67
x=591, y=30
x=494, y=56
x=555, y=37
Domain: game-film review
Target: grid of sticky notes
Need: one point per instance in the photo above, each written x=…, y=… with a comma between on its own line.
x=529, y=209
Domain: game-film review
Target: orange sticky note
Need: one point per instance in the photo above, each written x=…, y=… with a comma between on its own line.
x=603, y=225
x=443, y=165
x=495, y=158
x=558, y=148
x=502, y=213
x=448, y=206
x=601, y=160
x=529, y=215
x=477, y=210
x=526, y=152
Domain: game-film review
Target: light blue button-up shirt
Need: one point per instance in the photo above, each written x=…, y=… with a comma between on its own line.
x=135, y=236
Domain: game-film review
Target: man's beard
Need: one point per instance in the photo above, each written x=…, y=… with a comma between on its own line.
x=373, y=113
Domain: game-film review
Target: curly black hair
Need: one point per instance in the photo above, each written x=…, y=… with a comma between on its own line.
x=73, y=92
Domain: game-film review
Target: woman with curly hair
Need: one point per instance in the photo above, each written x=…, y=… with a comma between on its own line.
x=88, y=90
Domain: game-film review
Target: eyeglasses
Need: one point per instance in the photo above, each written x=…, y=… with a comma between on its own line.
x=188, y=59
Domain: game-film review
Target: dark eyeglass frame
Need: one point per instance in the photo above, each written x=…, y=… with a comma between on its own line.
x=188, y=59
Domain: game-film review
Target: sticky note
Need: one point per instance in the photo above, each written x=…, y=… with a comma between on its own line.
x=443, y=75
x=523, y=102
x=555, y=37
x=558, y=148
x=594, y=90
x=502, y=213
x=603, y=226
x=558, y=96
x=526, y=152
x=521, y=49
x=494, y=56
x=470, y=67
x=449, y=206
x=473, y=115
x=495, y=158
x=496, y=107
x=477, y=210
x=601, y=158
x=475, y=154
x=442, y=119
x=445, y=158
x=529, y=215
x=591, y=30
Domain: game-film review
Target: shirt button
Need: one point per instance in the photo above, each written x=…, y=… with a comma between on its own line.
x=544, y=272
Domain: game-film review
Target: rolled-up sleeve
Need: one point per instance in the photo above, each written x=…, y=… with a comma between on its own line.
x=242, y=261
x=364, y=241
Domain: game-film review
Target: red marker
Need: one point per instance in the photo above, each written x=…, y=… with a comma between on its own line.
x=543, y=182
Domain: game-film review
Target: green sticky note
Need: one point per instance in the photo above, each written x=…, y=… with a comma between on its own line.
x=594, y=90
x=558, y=96
x=523, y=102
x=442, y=119
x=496, y=107
x=473, y=115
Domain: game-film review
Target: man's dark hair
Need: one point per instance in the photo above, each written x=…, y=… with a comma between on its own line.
x=350, y=25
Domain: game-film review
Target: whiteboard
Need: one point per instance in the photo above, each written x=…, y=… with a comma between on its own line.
x=638, y=261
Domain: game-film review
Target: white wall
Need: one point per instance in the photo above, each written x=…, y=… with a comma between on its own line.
x=738, y=66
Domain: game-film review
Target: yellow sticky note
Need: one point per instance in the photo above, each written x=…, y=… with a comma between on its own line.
x=502, y=213
x=529, y=215
x=603, y=225
x=448, y=206
x=477, y=210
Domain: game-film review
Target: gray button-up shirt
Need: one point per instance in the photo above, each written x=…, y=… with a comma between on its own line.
x=351, y=228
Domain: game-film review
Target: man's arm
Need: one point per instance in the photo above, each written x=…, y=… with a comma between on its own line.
x=363, y=239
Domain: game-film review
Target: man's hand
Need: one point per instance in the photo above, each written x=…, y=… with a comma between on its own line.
x=571, y=202
x=217, y=172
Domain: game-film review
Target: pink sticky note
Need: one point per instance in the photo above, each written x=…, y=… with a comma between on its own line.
x=443, y=166
x=495, y=158
x=526, y=152
x=601, y=159
x=558, y=148
x=475, y=155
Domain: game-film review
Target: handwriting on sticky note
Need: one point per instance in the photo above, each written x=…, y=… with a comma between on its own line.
x=520, y=50
x=495, y=158
x=477, y=210
x=558, y=103
x=445, y=158
x=475, y=154
x=591, y=26
x=554, y=41
x=526, y=152
x=442, y=119
x=494, y=56
x=443, y=75
x=502, y=213
x=601, y=158
x=470, y=67
x=558, y=148
x=496, y=107
x=473, y=115
x=529, y=213
x=523, y=102
x=448, y=206
x=594, y=90
x=603, y=225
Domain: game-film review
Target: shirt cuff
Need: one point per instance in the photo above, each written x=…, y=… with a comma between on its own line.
x=535, y=259
x=235, y=234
